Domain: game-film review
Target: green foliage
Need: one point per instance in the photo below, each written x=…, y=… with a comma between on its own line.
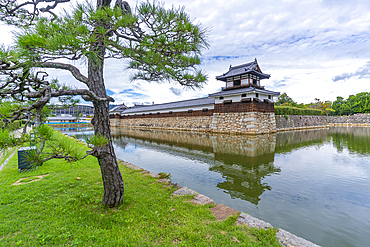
x=7, y=139
x=359, y=103
x=287, y=110
x=164, y=175
x=15, y=125
x=285, y=100
x=56, y=146
x=7, y=107
x=96, y=140
x=161, y=44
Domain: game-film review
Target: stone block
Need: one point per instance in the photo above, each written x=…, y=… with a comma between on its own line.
x=290, y=240
x=184, y=191
x=252, y=221
x=222, y=212
x=202, y=200
x=132, y=166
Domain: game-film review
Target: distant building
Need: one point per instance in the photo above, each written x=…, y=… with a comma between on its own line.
x=86, y=110
x=120, y=107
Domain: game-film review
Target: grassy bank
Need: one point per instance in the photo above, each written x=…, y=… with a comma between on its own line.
x=64, y=209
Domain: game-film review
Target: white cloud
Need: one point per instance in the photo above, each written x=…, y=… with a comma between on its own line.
x=302, y=44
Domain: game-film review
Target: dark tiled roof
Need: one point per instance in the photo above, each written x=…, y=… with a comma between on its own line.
x=178, y=104
x=247, y=68
x=243, y=90
x=118, y=108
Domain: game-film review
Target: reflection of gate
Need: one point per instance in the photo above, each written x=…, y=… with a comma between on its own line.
x=242, y=160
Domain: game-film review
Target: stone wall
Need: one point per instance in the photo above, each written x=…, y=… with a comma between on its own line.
x=354, y=120
x=294, y=122
x=244, y=122
x=202, y=123
x=238, y=123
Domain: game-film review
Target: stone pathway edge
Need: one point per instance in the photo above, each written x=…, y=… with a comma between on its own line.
x=7, y=159
x=285, y=238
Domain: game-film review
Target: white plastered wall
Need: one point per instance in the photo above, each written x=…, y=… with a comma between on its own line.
x=182, y=109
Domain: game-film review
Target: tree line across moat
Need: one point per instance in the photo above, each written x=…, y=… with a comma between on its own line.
x=359, y=103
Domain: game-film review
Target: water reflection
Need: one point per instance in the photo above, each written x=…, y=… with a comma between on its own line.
x=243, y=161
x=355, y=139
x=244, y=175
x=290, y=140
x=78, y=132
x=312, y=183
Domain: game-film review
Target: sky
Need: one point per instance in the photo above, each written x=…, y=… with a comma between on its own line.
x=312, y=49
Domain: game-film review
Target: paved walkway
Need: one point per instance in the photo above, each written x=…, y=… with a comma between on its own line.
x=17, y=133
x=7, y=160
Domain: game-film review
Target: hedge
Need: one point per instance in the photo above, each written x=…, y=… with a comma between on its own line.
x=287, y=110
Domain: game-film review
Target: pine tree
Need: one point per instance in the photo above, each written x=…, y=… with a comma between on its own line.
x=160, y=45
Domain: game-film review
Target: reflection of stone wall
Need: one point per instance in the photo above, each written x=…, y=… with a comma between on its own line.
x=286, y=141
x=218, y=143
x=293, y=122
x=193, y=139
x=360, y=132
x=250, y=146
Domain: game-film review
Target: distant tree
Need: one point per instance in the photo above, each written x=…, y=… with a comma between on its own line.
x=284, y=99
x=359, y=103
x=160, y=44
x=325, y=106
x=338, y=104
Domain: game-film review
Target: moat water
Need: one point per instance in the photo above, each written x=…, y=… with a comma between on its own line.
x=314, y=184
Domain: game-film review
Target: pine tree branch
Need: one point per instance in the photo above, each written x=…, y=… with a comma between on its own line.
x=74, y=70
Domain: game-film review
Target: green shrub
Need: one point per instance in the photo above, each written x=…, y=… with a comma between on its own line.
x=288, y=110
x=15, y=125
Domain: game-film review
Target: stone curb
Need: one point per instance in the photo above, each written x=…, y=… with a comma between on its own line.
x=202, y=200
x=184, y=191
x=289, y=240
x=252, y=221
x=285, y=238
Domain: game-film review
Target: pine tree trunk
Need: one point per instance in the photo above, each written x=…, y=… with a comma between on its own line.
x=111, y=175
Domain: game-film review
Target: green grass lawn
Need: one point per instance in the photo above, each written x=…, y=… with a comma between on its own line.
x=61, y=210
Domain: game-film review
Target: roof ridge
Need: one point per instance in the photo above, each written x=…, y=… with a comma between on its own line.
x=175, y=101
x=242, y=65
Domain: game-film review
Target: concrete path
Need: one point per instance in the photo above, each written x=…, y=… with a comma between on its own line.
x=7, y=160
x=17, y=133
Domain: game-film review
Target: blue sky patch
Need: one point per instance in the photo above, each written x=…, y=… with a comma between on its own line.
x=109, y=92
x=131, y=93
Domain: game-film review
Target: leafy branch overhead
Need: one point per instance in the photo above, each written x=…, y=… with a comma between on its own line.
x=162, y=45
x=31, y=91
x=24, y=13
